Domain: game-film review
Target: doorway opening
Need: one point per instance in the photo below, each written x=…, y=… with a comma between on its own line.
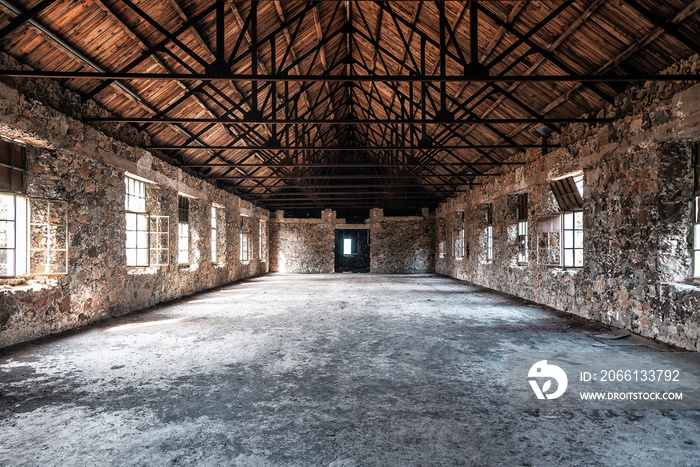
x=352, y=250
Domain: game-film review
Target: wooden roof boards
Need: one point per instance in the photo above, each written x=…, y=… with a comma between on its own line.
x=349, y=51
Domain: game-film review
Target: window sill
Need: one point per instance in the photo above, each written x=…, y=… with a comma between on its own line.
x=28, y=286
x=693, y=285
x=141, y=270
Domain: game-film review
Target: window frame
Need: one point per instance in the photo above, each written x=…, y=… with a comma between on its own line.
x=540, y=221
x=246, y=248
x=262, y=254
x=695, y=259
x=564, y=242
x=183, y=230
x=139, y=211
x=135, y=208
x=458, y=243
x=441, y=238
x=20, y=234
x=523, y=233
x=489, y=233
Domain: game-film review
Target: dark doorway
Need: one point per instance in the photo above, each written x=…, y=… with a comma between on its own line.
x=352, y=250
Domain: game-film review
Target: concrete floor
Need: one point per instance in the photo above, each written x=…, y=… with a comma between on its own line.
x=316, y=370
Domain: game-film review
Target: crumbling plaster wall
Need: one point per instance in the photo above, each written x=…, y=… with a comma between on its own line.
x=397, y=244
x=74, y=162
x=637, y=218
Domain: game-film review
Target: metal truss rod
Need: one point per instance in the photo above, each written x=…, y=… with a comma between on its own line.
x=388, y=121
x=343, y=148
x=347, y=78
x=354, y=165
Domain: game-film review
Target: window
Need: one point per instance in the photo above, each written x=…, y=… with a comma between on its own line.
x=13, y=210
x=183, y=230
x=33, y=232
x=560, y=238
x=458, y=237
x=246, y=247
x=214, y=235
x=263, y=240
x=347, y=246
x=522, y=229
x=696, y=238
x=136, y=223
x=489, y=232
x=573, y=239
x=549, y=240
x=441, y=239
x=696, y=228
x=147, y=236
x=13, y=235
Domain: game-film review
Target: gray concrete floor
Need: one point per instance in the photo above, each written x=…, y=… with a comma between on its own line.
x=316, y=370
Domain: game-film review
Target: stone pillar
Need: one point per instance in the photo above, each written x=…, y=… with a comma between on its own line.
x=328, y=216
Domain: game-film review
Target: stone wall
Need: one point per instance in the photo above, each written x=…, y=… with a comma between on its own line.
x=401, y=245
x=302, y=245
x=77, y=164
x=638, y=191
x=398, y=245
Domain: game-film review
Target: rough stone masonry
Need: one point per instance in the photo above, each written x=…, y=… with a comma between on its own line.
x=638, y=194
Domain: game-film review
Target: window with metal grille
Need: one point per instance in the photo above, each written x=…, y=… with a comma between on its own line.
x=489, y=232
x=183, y=230
x=568, y=192
x=263, y=240
x=522, y=229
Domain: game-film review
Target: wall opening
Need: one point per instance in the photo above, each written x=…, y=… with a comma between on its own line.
x=352, y=250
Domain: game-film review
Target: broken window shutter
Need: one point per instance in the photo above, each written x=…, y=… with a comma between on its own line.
x=522, y=207
x=12, y=159
x=183, y=207
x=567, y=194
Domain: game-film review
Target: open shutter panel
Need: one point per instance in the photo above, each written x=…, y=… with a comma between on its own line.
x=567, y=194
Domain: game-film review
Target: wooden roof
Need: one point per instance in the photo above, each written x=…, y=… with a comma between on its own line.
x=394, y=96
